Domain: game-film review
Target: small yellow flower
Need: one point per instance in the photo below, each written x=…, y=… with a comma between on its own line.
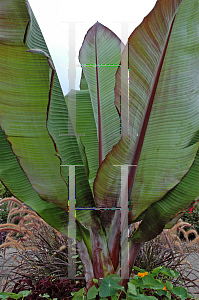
x=142, y=274
x=164, y=288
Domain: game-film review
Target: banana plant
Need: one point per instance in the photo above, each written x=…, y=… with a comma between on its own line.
x=127, y=140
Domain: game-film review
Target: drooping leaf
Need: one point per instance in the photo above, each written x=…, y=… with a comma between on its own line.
x=58, y=125
x=162, y=211
x=16, y=181
x=174, y=219
x=15, y=82
x=33, y=117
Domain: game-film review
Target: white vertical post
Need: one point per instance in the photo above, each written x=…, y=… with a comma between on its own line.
x=124, y=223
x=72, y=77
x=72, y=224
x=124, y=197
x=72, y=227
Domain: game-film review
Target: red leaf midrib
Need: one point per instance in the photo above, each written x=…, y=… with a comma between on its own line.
x=136, y=154
x=100, y=138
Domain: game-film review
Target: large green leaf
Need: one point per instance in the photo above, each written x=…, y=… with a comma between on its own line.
x=13, y=20
x=100, y=56
x=34, y=118
x=16, y=181
x=162, y=118
x=186, y=191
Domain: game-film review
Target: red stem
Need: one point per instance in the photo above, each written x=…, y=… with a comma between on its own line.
x=86, y=262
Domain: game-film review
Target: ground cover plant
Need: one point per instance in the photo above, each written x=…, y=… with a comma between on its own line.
x=125, y=143
x=143, y=286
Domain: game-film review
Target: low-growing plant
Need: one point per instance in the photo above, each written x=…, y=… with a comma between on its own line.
x=21, y=295
x=49, y=287
x=143, y=286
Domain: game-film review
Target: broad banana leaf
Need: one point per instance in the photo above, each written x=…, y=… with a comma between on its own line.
x=95, y=114
x=35, y=140
x=162, y=119
x=100, y=56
